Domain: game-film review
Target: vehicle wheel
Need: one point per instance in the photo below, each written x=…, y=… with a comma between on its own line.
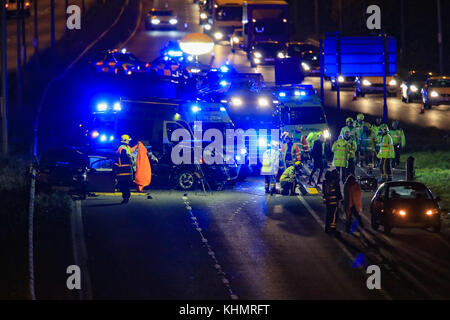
x=374, y=223
x=387, y=228
x=185, y=180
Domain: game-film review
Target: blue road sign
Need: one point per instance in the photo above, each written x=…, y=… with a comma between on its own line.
x=360, y=56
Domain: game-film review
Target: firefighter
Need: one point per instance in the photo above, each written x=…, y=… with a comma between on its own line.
x=386, y=153
x=398, y=138
x=318, y=155
x=351, y=152
x=341, y=150
x=350, y=127
x=270, y=167
x=288, y=179
x=331, y=193
x=124, y=167
x=376, y=132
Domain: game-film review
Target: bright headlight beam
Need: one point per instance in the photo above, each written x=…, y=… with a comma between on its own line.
x=257, y=54
x=366, y=83
x=434, y=94
x=117, y=106
x=173, y=21
x=393, y=82
x=263, y=102
x=155, y=21
x=305, y=66
x=236, y=101
x=102, y=107
x=218, y=35
x=413, y=88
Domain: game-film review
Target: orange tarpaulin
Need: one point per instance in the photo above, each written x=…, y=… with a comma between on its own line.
x=143, y=175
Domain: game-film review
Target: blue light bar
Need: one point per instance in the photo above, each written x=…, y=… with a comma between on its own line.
x=101, y=107
x=117, y=106
x=224, y=69
x=175, y=53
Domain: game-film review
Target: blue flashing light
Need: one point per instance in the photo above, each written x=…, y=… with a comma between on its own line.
x=102, y=106
x=175, y=53
x=196, y=109
x=282, y=94
x=223, y=109
x=117, y=106
x=103, y=138
x=224, y=69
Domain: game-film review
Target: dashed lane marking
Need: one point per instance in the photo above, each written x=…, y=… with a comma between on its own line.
x=210, y=250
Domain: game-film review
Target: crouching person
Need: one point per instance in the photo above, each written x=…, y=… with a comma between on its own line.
x=288, y=180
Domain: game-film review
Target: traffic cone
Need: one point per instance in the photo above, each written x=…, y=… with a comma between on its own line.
x=355, y=95
x=422, y=107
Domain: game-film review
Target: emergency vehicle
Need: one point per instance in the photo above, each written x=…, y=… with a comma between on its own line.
x=226, y=17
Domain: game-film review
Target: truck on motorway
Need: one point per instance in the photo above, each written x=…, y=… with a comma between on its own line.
x=264, y=20
x=226, y=17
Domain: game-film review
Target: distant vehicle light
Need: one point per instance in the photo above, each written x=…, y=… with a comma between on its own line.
x=129, y=72
x=341, y=79
x=196, y=109
x=175, y=53
x=94, y=134
x=207, y=27
x=393, y=82
x=236, y=101
x=262, y=142
x=282, y=94
x=235, y=40
x=430, y=212
x=257, y=60
x=223, y=109
x=224, y=69
x=305, y=66
x=117, y=106
x=173, y=21
x=263, y=102
x=297, y=93
x=218, y=35
x=280, y=55
x=414, y=88
x=223, y=101
x=155, y=21
x=190, y=58
x=284, y=20
x=434, y=94
x=124, y=50
x=111, y=138
x=402, y=213
x=195, y=70
x=103, y=138
x=203, y=16
x=326, y=134
x=101, y=107
x=223, y=83
x=257, y=54
x=366, y=83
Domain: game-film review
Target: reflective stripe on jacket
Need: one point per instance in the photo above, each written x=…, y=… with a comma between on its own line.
x=386, y=148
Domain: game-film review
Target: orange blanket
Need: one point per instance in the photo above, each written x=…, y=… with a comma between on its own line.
x=143, y=175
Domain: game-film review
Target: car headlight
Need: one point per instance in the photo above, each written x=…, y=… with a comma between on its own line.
x=117, y=106
x=400, y=212
x=280, y=55
x=101, y=107
x=236, y=101
x=430, y=212
x=341, y=79
x=257, y=60
x=326, y=134
x=203, y=16
x=235, y=40
x=434, y=94
x=218, y=35
x=103, y=138
x=393, y=82
x=413, y=88
x=366, y=83
x=173, y=21
x=207, y=27
x=155, y=21
x=257, y=54
x=195, y=70
x=263, y=102
x=305, y=66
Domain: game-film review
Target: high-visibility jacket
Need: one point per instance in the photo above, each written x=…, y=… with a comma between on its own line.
x=311, y=137
x=386, y=148
x=128, y=149
x=291, y=154
x=398, y=137
x=287, y=176
x=351, y=130
x=368, y=141
x=341, y=150
x=123, y=169
x=376, y=132
x=271, y=162
x=352, y=148
x=359, y=128
x=331, y=193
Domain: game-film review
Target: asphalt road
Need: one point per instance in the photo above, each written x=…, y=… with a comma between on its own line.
x=239, y=242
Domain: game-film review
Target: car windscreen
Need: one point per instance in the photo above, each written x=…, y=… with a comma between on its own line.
x=303, y=115
x=440, y=83
x=229, y=13
x=268, y=47
x=419, y=77
x=162, y=13
x=408, y=192
x=125, y=57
